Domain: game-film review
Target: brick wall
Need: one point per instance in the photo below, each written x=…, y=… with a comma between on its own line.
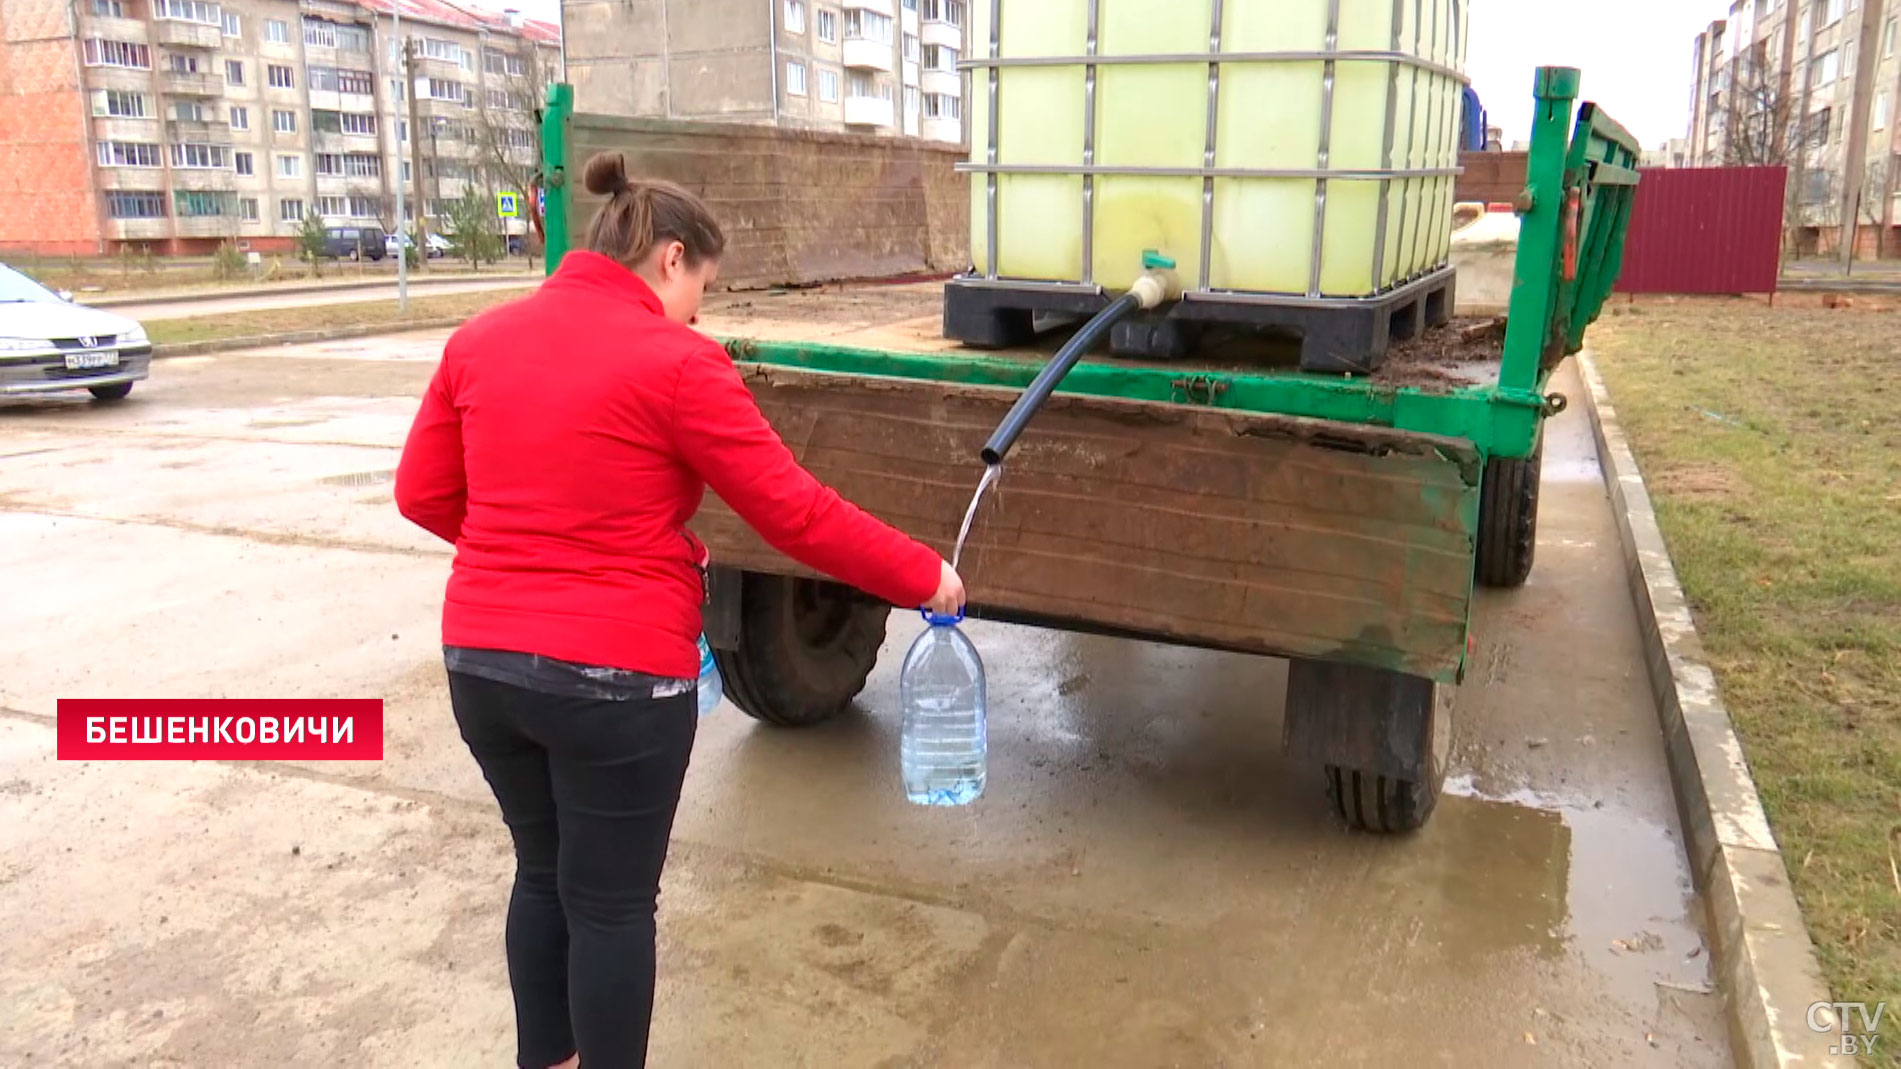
x=799, y=206
x=1491, y=177
x=47, y=200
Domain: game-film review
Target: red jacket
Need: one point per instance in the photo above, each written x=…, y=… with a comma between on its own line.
x=563, y=445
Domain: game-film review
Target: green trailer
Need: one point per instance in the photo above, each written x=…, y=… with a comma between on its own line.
x=1339, y=522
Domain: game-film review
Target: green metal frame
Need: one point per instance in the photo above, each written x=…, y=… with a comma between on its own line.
x=1573, y=215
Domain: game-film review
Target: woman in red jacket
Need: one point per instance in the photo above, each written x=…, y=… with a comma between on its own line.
x=562, y=446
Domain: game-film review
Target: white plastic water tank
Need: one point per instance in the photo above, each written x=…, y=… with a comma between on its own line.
x=1299, y=147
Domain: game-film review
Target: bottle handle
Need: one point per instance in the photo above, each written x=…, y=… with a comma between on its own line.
x=940, y=620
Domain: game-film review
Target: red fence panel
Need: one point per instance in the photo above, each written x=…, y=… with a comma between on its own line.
x=1705, y=230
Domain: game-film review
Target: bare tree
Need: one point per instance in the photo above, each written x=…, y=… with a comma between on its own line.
x=1874, y=210
x=507, y=128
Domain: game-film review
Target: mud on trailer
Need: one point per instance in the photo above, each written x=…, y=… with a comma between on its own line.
x=1340, y=522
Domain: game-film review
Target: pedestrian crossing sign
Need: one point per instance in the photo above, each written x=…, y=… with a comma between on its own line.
x=507, y=205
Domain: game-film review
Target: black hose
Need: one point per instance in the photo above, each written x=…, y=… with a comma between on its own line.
x=1040, y=389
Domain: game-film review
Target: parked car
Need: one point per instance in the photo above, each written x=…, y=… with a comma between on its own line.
x=49, y=344
x=355, y=243
x=437, y=245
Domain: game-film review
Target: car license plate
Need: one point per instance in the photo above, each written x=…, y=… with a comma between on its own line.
x=82, y=361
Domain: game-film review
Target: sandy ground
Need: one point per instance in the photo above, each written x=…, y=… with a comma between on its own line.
x=1148, y=881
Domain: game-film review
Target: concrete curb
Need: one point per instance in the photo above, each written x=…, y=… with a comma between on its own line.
x=1764, y=960
x=239, y=292
x=302, y=337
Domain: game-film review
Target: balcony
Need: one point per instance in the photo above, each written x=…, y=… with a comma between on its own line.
x=430, y=67
x=867, y=111
x=882, y=7
x=429, y=108
x=138, y=229
x=863, y=53
x=204, y=133
x=208, y=226
x=186, y=34
x=141, y=179
x=190, y=84
x=948, y=130
x=938, y=32
x=204, y=179
x=134, y=31
x=108, y=128
x=949, y=83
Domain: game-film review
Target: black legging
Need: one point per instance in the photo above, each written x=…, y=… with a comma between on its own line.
x=588, y=789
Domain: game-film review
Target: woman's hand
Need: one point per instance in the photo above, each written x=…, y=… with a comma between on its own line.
x=949, y=599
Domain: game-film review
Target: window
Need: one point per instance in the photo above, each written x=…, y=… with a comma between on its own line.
x=354, y=123
x=321, y=79
x=290, y=166
x=362, y=165
x=911, y=47
x=240, y=117
x=867, y=26
x=232, y=27
x=119, y=103
x=1819, y=124
x=913, y=103
x=795, y=16
x=519, y=138
x=125, y=204
x=397, y=89
x=188, y=11
x=247, y=209
x=795, y=78
x=181, y=63
x=943, y=106
x=189, y=203
x=828, y=86
x=234, y=72
x=910, y=5
x=290, y=210
x=365, y=207
x=939, y=58
x=363, y=83
x=189, y=111
x=284, y=122
x=446, y=51
x=277, y=31
x=246, y=165
x=1887, y=40
x=444, y=89
x=320, y=33
x=858, y=85
x=951, y=11
x=402, y=129
x=333, y=205
x=201, y=157
x=127, y=154
x=496, y=62
x=117, y=54
x=827, y=25
x=353, y=39
x=1881, y=112
x=282, y=77
x=111, y=9
x=406, y=177
x=1833, y=14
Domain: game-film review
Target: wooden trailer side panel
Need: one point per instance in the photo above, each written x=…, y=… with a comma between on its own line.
x=1256, y=533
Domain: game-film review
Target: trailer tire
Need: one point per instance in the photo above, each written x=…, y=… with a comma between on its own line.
x=806, y=647
x=1387, y=805
x=1508, y=519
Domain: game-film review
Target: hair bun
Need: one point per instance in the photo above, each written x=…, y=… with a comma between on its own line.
x=606, y=174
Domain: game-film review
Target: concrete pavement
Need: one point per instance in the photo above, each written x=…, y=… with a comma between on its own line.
x=1148, y=882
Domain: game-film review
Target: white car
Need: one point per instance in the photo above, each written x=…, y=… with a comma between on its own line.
x=437, y=245
x=49, y=344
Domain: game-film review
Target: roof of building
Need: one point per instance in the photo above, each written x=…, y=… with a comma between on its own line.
x=466, y=17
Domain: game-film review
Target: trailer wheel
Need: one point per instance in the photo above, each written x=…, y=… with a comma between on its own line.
x=806, y=647
x=1508, y=519
x=1387, y=805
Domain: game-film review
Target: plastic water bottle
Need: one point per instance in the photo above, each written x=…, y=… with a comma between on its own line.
x=710, y=688
x=945, y=743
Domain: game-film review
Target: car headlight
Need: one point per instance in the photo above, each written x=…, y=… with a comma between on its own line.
x=135, y=336
x=21, y=345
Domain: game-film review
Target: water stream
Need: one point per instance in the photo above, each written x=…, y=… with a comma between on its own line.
x=991, y=473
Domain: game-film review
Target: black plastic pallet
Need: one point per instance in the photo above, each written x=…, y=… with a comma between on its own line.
x=1336, y=337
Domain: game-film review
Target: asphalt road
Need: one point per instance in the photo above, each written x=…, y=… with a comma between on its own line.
x=1148, y=881
x=176, y=309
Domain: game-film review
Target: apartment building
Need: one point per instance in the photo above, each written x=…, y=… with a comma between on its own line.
x=1774, y=83
x=871, y=66
x=177, y=125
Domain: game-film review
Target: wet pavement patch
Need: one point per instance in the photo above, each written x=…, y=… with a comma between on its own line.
x=360, y=478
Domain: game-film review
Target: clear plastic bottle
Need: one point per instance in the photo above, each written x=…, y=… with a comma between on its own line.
x=710, y=688
x=945, y=745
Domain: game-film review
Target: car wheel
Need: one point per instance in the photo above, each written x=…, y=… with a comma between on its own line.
x=116, y=392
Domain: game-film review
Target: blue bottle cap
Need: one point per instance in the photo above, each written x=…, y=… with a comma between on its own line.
x=936, y=620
